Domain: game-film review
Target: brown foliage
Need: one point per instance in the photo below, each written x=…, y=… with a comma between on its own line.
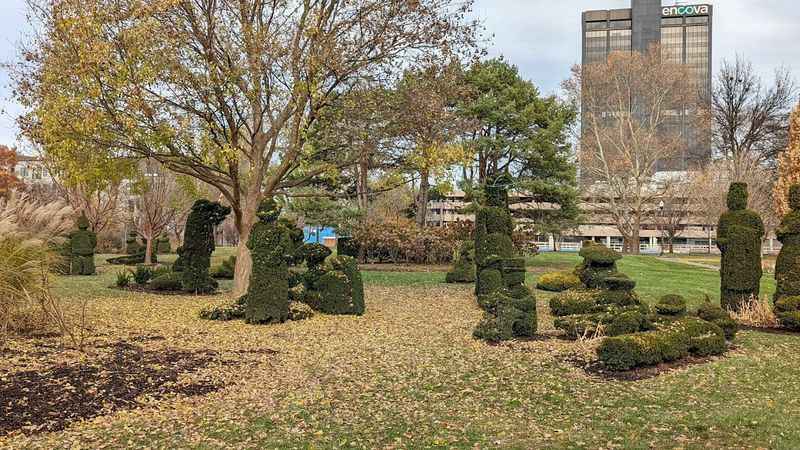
x=400, y=240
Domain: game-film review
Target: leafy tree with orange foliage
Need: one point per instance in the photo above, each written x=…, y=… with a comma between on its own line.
x=789, y=166
x=8, y=180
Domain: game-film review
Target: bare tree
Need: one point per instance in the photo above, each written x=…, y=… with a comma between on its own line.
x=155, y=204
x=632, y=105
x=750, y=120
x=674, y=207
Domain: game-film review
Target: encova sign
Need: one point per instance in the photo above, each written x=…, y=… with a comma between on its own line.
x=694, y=10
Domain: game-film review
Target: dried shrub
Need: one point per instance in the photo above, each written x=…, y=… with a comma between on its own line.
x=756, y=312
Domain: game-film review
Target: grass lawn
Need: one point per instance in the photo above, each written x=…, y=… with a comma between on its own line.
x=405, y=375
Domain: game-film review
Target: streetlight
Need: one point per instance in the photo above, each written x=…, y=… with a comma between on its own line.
x=658, y=226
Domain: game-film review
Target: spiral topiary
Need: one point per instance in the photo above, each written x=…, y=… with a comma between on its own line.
x=787, y=267
x=198, y=245
x=739, y=236
x=82, y=243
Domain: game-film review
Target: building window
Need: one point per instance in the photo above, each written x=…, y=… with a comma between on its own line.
x=672, y=44
x=596, y=25
x=672, y=21
x=620, y=41
x=696, y=20
x=596, y=46
x=621, y=24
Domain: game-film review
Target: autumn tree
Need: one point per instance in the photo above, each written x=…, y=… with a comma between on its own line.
x=224, y=91
x=8, y=179
x=789, y=166
x=427, y=126
x=157, y=202
x=750, y=118
x=631, y=107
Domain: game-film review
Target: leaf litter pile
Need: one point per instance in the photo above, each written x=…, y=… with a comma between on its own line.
x=407, y=374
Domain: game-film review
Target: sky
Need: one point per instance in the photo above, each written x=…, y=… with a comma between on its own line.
x=541, y=37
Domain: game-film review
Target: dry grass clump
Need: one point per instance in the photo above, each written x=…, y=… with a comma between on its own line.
x=756, y=313
x=29, y=233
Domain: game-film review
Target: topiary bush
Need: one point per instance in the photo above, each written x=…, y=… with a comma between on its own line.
x=135, y=253
x=573, y=302
x=670, y=342
x=787, y=267
x=599, y=263
x=83, y=243
x=719, y=317
x=163, y=247
x=225, y=312
x=347, y=246
x=271, y=247
x=132, y=245
x=341, y=289
x=739, y=236
x=558, y=281
x=171, y=282
x=226, y=270
x=464, y=268
x=671, y=305
x=198, y=245
x=787, y=310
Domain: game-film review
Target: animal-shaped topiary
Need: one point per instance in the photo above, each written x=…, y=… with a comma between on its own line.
x=599, y=262
x=271, y=247
x=341, y=289
x=464, y=268
x=198, y=245
x=83, y=243
x=787, y=267
x=739, y=237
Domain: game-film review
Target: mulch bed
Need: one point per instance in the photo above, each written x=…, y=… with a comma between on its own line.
x=50, y=399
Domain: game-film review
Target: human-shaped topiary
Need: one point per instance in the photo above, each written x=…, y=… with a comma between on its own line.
x=493, y=229
x=598, y=263
x=341, y=289
x=787, y=267
x=82, y=243
x=198, y=245
x=163, y=246
x=132, y=245
x=739, y=236
x=271, y=248
x=464, y=268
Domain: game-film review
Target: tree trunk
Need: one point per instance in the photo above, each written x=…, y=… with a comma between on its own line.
x=244, y=264
x=422, y=199
x=148, y=252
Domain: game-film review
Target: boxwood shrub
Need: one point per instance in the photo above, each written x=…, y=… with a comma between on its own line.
x=787, y=309
x=558, y=281
x=671, y=305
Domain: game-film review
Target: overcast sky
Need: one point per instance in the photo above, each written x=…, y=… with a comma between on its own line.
x=542, y=37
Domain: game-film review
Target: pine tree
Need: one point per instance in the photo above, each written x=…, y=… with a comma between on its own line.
x=789, y=168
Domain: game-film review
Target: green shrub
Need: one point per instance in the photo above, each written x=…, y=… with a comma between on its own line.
x=161, y=270
x=671, y=305
x=599, y=262
x=464, y=268
x=739, y=237
x=618, y=282
x=341, y=288
x=787, y=310
x=670, y=342
x=226, y=270
x=490, y=280
x=167, y=282
x=83, y=243
x=787, y=267
x=198, y=245
x=132, y=245
x=573, y=302
x=123, y=279
x=487, y=329
x=270, y=246
x=612, y=321
x=558, y=281
x=347, y=246
x=719, y=317
x=163, y=247
x=130, y=260
x=618, y=298
x=142, y=275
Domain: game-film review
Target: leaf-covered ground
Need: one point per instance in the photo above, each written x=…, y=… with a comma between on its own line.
x=405, y=375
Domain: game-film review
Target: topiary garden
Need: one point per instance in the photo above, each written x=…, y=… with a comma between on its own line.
x=635, y=335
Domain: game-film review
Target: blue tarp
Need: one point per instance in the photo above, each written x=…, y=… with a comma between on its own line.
x=317, y=235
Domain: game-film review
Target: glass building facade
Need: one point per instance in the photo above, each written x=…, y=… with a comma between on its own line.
x=684, y=34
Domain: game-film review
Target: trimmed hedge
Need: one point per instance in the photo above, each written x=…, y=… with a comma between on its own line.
x=573, y=302
x=671, y=305
x=787, y=267
x=167, y=282
x=739, y=237
x=787, y=310
x=198, y=245
x=464, y=268
x=270, y=244
x=719, y=317
x=558, y=281
x=82, y=245
x=611, y=321
x=671, y=342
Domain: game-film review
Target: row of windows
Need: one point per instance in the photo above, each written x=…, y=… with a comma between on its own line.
x=627, y=24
